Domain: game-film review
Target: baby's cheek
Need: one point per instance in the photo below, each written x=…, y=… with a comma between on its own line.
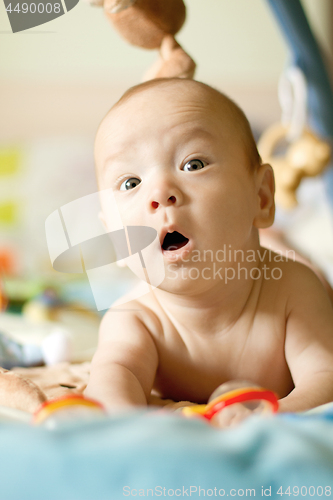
x=117, y=213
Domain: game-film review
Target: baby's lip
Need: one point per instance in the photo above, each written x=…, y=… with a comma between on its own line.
x=179, y=249
x=170, y=229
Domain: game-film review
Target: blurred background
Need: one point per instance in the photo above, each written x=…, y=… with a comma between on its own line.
x=58, y=80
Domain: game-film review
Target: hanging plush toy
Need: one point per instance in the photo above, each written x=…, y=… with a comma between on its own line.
x=306, y=156
x=293, y=150
x=152, y=24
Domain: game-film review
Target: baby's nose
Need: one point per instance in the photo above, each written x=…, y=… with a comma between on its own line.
x=171, y=200
x=165, y=196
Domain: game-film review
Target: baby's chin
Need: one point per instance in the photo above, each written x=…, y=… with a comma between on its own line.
x=181, y=282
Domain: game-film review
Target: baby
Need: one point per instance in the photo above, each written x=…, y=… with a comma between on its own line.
x=180, y=158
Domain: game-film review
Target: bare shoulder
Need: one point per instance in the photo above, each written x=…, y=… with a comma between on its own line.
x=294, y=279
x=309, y=327
x=302, y=285
x=127, y=338
x=124, y=318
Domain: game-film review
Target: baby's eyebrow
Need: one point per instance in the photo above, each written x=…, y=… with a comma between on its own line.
x=195, y=138
x=194, y=133
x=191, y=133
x=112, y=158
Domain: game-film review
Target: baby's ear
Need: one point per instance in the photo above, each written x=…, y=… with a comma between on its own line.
x=265, y=187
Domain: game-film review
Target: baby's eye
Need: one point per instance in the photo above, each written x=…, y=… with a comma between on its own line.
x=192, y=165
x=130, y=183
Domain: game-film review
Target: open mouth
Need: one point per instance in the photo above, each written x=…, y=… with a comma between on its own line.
x=174, y=241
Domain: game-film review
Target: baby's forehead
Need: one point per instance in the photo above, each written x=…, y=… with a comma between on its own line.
x=175, y=92
x=188, y=100
x=160, y=108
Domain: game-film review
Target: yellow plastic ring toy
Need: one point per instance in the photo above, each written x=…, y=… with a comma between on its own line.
x=55, y=405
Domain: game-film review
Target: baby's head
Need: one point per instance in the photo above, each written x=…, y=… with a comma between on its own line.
x=181, y=158
x=138, y=104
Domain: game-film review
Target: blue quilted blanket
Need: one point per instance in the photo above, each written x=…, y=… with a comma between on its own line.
x=152, y=455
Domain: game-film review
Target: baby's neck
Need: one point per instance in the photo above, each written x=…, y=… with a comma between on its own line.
x=213, y=308
x=204, y=313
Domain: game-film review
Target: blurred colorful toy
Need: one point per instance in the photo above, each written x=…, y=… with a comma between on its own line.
x=44, y=306
x=3, y=298
x=255, y=398
x=73, y=407
x=55, y=348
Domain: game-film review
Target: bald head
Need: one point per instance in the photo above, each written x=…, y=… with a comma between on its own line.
x=181, y=90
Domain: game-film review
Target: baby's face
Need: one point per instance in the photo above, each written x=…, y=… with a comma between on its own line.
x=176, y=163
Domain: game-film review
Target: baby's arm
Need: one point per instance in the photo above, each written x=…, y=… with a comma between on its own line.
x=309, y=342
x=124, y=366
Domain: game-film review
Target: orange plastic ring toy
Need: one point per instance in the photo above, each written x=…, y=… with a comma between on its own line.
x=232, y=397
x=54, y=405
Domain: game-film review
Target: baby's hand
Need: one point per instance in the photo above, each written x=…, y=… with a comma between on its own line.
x=231, y=416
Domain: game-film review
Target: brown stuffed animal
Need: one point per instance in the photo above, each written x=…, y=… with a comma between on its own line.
x=152, y=24
x=305, y=157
